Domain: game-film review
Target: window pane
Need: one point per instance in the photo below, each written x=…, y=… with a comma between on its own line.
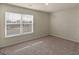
x=27, y=19
x=27, y=28
x=13, y=29
x=13, y=17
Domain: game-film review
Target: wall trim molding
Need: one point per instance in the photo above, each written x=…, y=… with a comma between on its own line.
x=64, y=38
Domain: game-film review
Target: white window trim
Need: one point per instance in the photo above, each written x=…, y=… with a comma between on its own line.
x=21, y=31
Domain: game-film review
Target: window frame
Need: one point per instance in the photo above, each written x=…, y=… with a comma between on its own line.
x=21, y=26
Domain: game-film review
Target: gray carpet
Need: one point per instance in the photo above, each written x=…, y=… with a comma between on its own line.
x=48, y=45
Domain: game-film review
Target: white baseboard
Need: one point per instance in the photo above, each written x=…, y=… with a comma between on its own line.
x=65, y=38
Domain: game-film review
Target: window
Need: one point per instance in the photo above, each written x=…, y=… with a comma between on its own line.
x=17, y=24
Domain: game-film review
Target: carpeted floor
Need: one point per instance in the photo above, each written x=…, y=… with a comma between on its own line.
x=48, y=45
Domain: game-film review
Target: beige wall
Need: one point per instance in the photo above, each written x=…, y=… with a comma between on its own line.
x=65, y=24
x=41, y=25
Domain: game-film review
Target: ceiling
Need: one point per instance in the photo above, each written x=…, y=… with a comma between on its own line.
x=51, y=7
